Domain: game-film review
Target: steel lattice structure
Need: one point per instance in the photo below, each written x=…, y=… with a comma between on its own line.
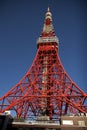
x=46, y=89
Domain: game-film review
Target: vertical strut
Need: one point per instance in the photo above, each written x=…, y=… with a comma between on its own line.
x=44, y=86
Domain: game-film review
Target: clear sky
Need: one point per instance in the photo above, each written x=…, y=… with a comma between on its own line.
x=21, y=23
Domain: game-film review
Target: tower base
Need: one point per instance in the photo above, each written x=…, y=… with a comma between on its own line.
x=43, y=118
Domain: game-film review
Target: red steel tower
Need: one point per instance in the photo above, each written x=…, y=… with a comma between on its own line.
x=46, y=89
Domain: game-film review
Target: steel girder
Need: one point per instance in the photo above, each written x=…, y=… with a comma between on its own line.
x=46, y=89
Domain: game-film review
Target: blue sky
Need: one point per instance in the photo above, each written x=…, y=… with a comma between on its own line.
x=21, y=23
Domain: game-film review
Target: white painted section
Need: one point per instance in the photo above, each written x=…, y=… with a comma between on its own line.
x=7, y=112
x=81, y=123
x=67, y=122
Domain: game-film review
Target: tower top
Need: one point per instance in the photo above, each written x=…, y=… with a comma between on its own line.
x=48, y=33
x=48, y=9
x=48, y=15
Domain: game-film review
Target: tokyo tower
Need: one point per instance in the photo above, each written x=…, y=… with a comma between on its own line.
x=46, y=89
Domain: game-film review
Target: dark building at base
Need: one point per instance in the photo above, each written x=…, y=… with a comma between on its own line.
x=67, y=123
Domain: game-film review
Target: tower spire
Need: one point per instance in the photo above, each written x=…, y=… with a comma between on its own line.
x=48, y=33
x=48, y=9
